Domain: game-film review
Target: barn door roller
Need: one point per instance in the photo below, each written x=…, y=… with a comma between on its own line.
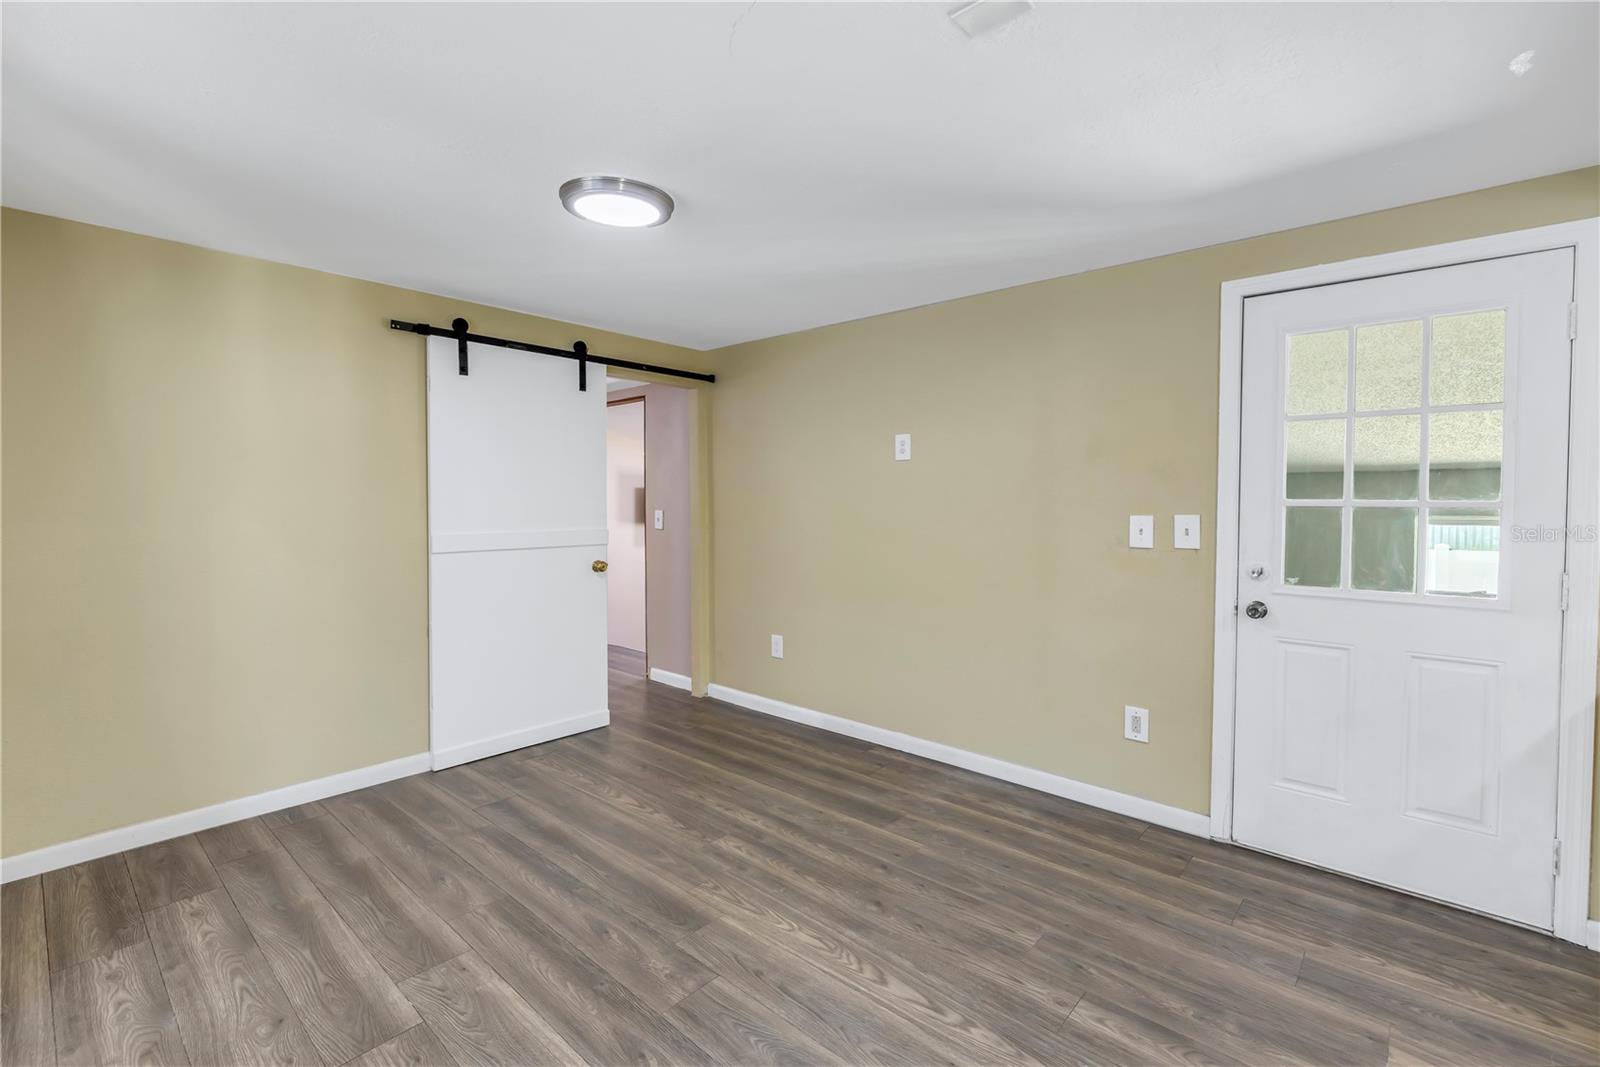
x=461, y=332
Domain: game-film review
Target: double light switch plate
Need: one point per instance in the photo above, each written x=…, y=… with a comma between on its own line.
x=1185, y=531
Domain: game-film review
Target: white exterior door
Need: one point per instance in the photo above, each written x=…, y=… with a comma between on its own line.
x=516, y=521
x=1403, y=483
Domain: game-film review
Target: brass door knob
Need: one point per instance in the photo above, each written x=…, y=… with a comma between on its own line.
x=599, y=566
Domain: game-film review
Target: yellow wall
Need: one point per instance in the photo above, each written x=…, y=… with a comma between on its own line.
x=215, y=529
x=214, y=541
x=982, y=595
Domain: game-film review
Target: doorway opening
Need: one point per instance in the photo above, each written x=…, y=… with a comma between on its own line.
x=649, y=529
x=626, y=631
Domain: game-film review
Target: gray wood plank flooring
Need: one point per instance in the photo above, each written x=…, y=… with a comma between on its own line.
x=417, y=1047
x=229, y=1005
x=90, y=910
x=698, y=884
x=169, y=871
x=114, y=1009
x=400, y=931
x=345, y=999
x=26, y=1028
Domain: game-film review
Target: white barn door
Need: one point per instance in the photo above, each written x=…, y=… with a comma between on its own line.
x=516, y=527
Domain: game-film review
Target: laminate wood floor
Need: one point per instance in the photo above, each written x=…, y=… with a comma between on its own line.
x=697, y=884
x=626, y=660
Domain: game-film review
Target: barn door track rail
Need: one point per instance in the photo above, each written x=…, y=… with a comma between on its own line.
x=579, y=351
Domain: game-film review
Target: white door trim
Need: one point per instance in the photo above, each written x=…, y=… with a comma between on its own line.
x=1581, y=626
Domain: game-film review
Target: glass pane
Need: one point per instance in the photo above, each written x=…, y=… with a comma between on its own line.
x=1317, y=367
x=1315, y=460
x=1388, y=452
x=1383, y=549
x=1311, y=543
x=1464, y=455
x=1463, y=556
x=1469, y=359
x=1389, y=366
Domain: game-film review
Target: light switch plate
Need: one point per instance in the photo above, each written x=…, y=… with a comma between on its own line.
x=902, y=447
x=1141, y=531
x=1186, y=531
x=777, y=646
x=661, y=520
x=1136, y=724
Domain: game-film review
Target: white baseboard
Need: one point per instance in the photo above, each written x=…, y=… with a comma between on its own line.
x=1594, y=934
x=1149, y=811
x=672, y=678
x=53, y=857
x=493, y=746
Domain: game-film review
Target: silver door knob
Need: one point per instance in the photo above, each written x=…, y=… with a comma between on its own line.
x=1256, y=609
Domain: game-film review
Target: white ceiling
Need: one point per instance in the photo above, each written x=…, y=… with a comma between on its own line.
x=830, y=161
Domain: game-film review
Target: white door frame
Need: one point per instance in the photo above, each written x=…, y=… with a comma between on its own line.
x=1581, y=625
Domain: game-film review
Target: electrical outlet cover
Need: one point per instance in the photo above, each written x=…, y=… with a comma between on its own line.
x=1136, y=724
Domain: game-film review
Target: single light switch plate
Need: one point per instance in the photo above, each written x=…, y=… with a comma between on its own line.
x=902, y=447
x=1186, y=531
x=661, y=520
x=1136, y=724
x=1141, y=531
x=777, y=646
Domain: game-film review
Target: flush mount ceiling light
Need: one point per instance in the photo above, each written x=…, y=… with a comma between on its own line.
x=985, y=16
x=616, y=201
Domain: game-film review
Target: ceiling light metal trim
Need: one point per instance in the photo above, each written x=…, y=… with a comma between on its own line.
x=980, y=17
x=577, y=188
